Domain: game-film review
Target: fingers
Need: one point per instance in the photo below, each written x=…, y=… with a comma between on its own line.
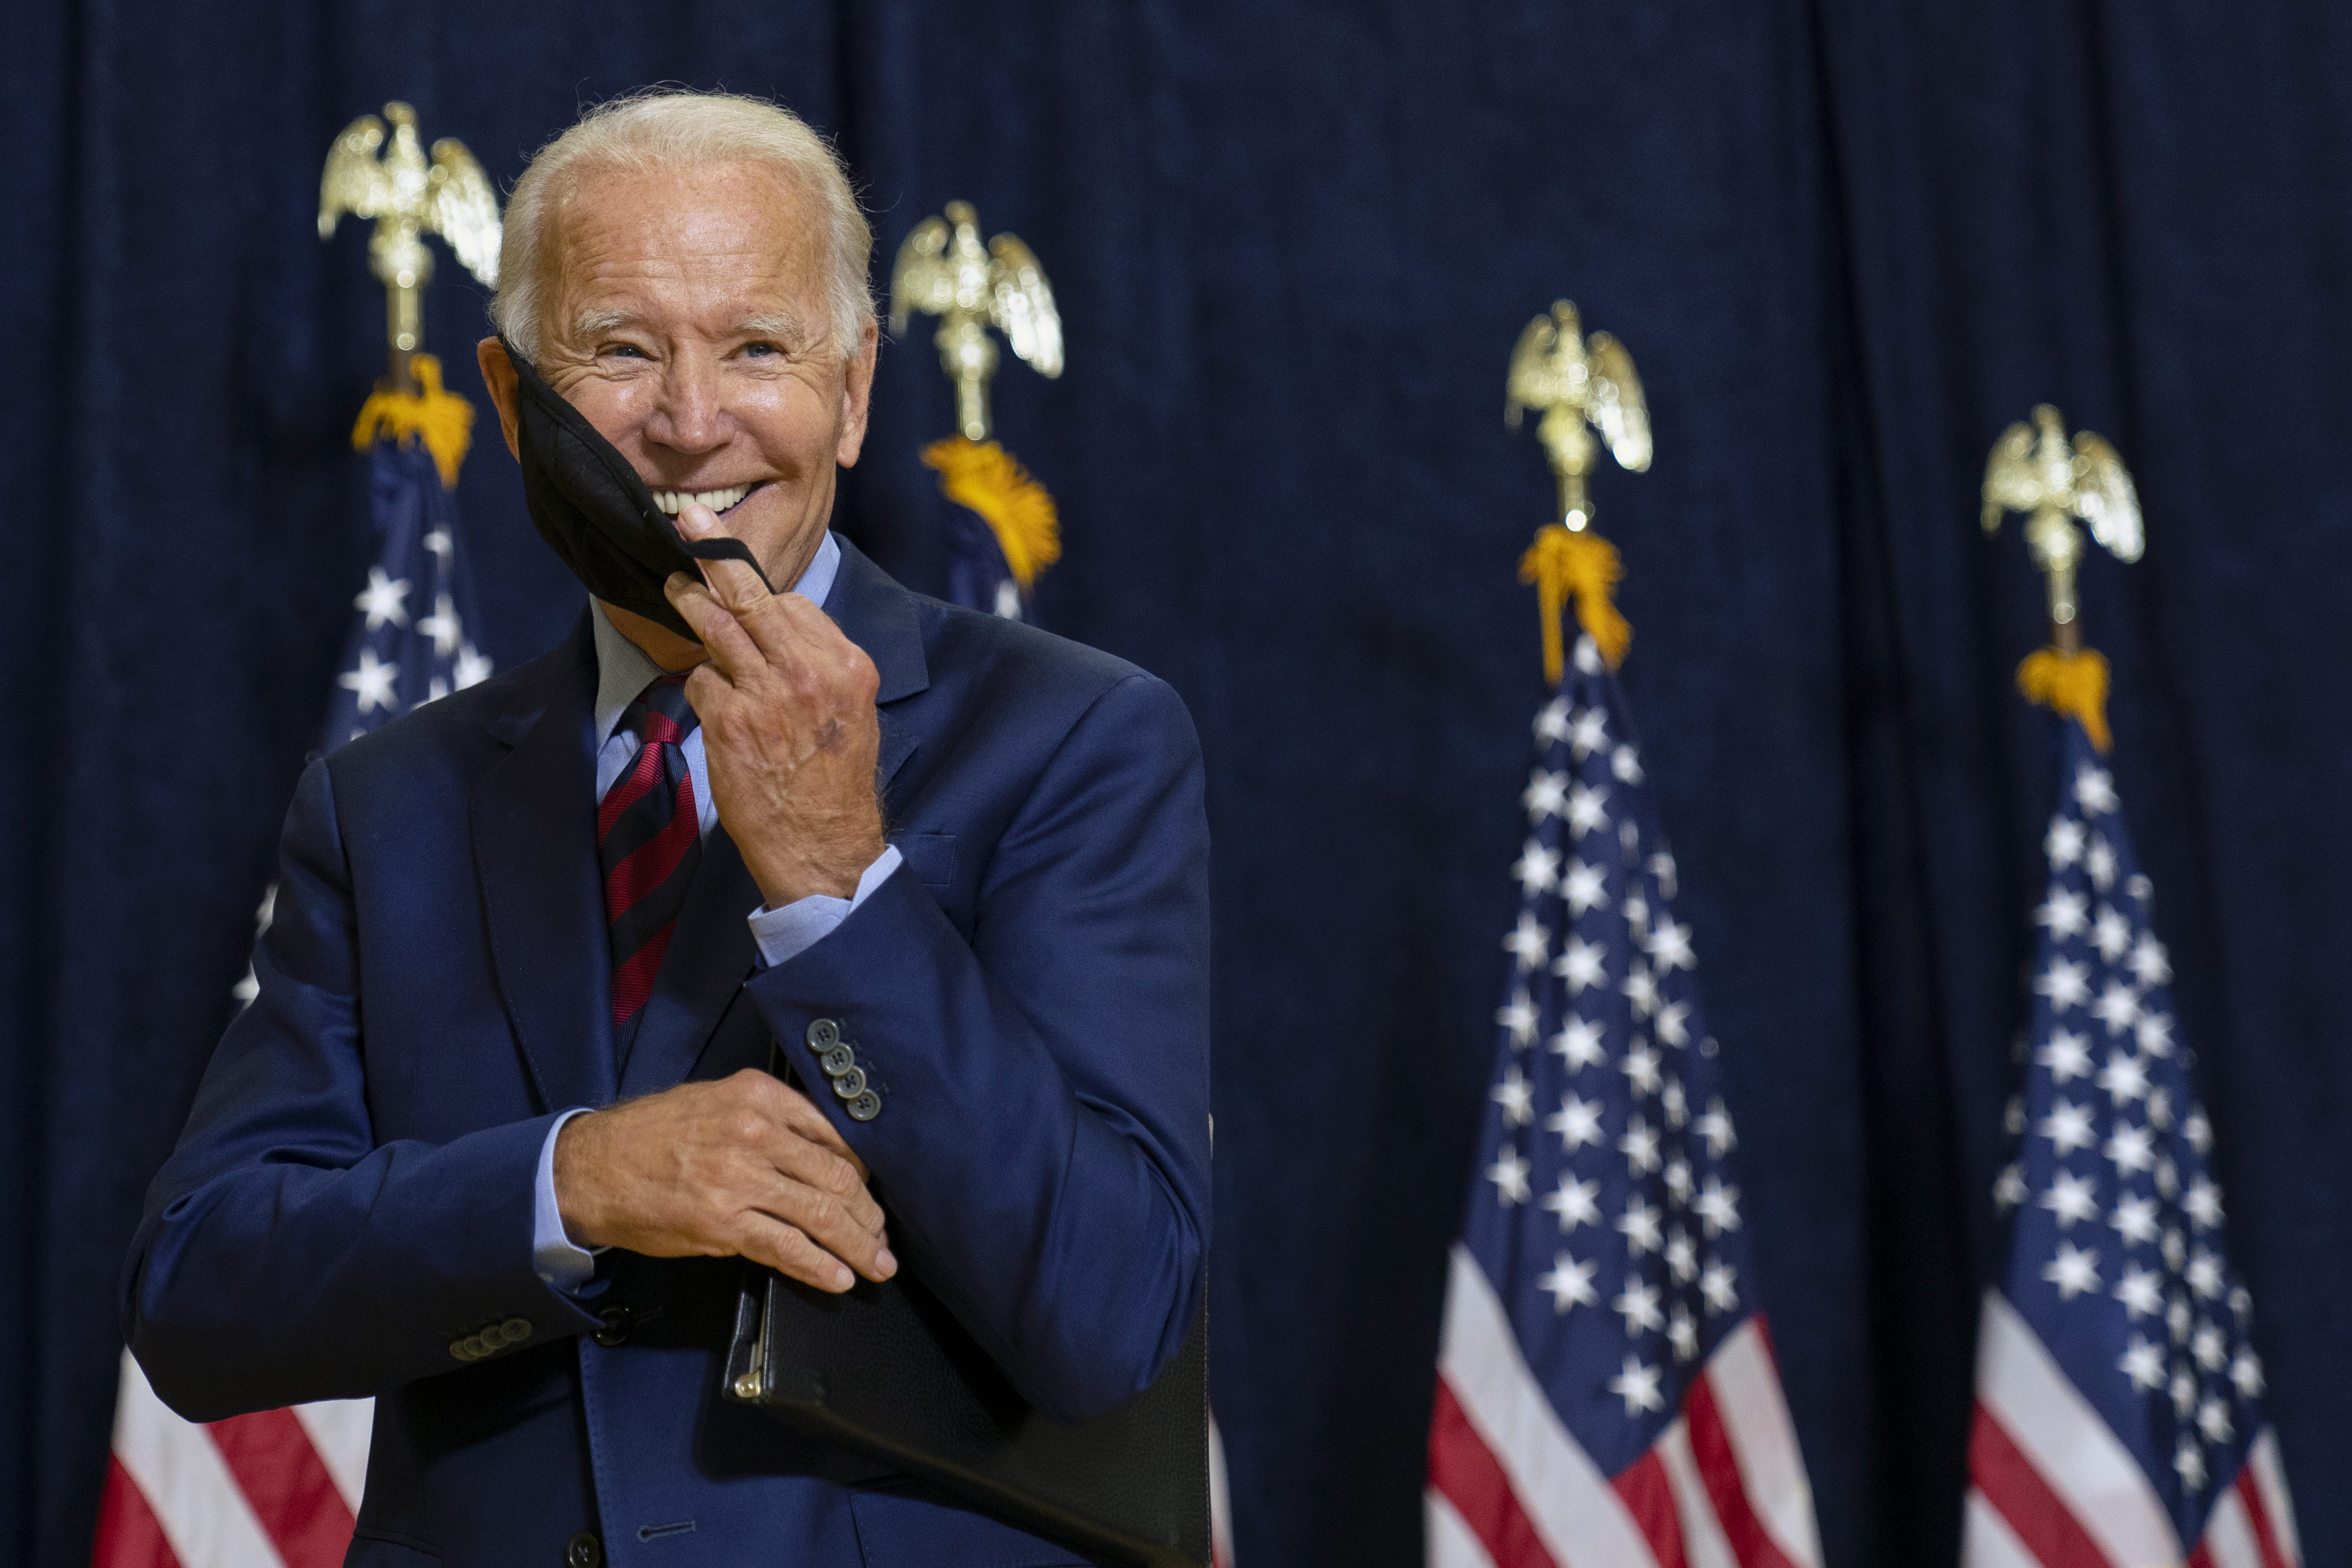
x=790, y=1252
x=821, y=1197
x=731, y=649
x=733, y=582
x=773, y=620
x=825, y=1221
x=822, y=1192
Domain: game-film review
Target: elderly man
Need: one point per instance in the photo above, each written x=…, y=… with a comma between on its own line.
x=493, y=1140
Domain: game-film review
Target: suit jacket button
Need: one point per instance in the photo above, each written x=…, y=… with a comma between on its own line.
x=583, y=1551
x=850, y=1084
x=838, y=1060
x=866, y=1107
x=515, y=1330
x=616, y=1331
x=824, y=1035
x=457, y=1348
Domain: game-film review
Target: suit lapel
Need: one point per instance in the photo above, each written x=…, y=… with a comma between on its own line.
x=881, y=617
x=534, y=828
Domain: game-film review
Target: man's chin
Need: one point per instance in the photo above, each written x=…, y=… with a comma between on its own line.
x=664, y=647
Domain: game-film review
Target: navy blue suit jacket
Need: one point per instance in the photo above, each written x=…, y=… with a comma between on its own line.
x=1028, y=992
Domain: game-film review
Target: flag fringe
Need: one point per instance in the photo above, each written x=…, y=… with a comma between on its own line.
x=988, y=479
x=1561, y=564
x=443, y=420
x=2073, y=686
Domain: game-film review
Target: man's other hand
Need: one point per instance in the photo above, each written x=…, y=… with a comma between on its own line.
x=787, y=709
x=745, y=1166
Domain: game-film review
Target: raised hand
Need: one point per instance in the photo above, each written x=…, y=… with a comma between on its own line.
x=789, y=729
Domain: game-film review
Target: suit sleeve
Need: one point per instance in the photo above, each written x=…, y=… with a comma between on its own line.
x=284, y=1256
x=1042, y=1141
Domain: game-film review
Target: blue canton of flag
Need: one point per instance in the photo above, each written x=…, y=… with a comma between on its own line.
x=978, y=578
x=408, y=645
x=2119, y=1393
x=1606, y=1392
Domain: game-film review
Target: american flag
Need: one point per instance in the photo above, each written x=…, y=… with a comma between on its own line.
x=2118, y=1418
x=1607, y=1396
x=281, y=1489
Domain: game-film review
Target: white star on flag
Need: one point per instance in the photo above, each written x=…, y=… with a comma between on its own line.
x=2074, y=1270
x=1575, y=1202
x=383, y=600
x=1509, y=1174
x=442, y=626
x=370, y=682
x=1577, y=1122
x=1585, y=889
x=1578, y=1044
x=1569, y=1283
x=1516, y=1097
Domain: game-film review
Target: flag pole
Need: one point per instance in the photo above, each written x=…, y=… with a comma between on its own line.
x=1577, y=381
x=943, y=270
x=409, y=198
x=2038, y=470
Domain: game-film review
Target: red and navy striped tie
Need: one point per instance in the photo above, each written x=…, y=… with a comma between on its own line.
x=649, y=840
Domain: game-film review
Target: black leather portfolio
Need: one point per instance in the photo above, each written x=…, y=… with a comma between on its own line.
x=887, y=1370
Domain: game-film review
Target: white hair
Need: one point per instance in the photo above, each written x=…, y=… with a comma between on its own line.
x=668, y=129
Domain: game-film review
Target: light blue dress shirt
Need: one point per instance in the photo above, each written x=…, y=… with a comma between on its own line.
x=622, y=672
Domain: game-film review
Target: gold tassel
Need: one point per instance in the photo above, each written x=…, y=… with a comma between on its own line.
x=444, y=420
x=2073, y=685
x=1561, y=563
x=983, y=475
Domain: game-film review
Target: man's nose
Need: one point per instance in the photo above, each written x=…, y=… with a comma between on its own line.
x=691, y=417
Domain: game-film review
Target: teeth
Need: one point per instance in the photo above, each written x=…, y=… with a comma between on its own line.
x=674, y=501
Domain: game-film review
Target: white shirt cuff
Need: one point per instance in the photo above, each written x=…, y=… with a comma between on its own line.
x=552, y=1253
x=786, y=934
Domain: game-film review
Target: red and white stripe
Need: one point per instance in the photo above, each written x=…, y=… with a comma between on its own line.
x=1725, y=1487
x=278, y=1488
x=1221, y=1507
x=2053, y=1487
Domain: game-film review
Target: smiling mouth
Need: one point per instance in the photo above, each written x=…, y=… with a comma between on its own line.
x=719, y=501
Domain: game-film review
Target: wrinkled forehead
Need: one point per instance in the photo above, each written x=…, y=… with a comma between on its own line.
x=708, y=238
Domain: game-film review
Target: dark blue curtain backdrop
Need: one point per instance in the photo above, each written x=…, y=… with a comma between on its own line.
x=1847, y=243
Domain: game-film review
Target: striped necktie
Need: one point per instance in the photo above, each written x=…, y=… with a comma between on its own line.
x=649, y=840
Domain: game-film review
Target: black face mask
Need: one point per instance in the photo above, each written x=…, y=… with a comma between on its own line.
x=595, y=513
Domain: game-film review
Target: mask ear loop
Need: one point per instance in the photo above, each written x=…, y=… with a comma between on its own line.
x=623, y=471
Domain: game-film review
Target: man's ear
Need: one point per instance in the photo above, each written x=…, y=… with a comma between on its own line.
x=499, y=375
x=856, y=396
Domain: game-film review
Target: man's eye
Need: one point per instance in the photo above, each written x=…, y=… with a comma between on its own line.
x=625, y=350
x=760, y=349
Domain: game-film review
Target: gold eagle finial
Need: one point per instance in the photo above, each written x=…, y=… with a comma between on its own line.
x=409, y=198
x=1577, y=381
x=943, y=270
x=2034, y=469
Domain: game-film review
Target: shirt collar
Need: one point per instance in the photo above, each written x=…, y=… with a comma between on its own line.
x=623, y=671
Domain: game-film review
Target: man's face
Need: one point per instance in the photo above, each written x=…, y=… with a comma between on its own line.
x=689, y=323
